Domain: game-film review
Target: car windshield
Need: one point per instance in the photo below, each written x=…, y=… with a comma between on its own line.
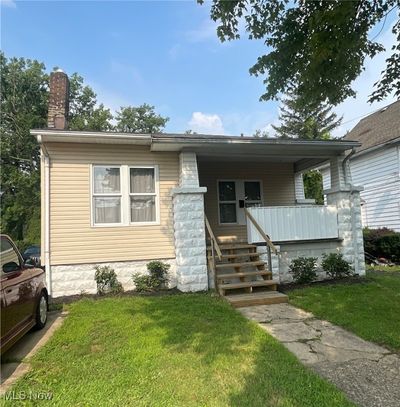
x=32, y=250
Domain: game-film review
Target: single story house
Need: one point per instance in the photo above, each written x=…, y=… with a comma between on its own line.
x=124, y=199
x=376, y=166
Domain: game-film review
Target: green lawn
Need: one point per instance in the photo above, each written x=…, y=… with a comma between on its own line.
x=175, y=350
x=370, y=309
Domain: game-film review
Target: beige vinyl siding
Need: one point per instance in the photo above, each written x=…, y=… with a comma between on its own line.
x=277, y=184
x=72, y=238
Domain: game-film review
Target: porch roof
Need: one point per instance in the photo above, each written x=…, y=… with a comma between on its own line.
x=304, y=153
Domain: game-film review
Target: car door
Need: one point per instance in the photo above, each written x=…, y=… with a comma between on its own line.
x=17, y=290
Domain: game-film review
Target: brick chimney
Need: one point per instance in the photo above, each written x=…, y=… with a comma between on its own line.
x=58, y=101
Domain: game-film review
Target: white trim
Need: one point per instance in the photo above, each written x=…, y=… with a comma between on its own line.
x=93, y=196
x=124, y=195
x=156, y=193
x=241, y=190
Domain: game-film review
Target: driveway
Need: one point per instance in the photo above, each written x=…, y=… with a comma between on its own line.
x=367, y=373
x=15, y=362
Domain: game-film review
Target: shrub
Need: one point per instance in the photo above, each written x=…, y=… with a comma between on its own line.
x=156, y=279
x=389, y=246
x=335, y=265
x=382, y=242
x=106, y=281
x=303, y=269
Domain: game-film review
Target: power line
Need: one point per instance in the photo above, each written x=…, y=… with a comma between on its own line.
x=384, y=22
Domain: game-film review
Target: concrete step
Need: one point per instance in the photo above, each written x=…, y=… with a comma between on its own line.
x=259, y=298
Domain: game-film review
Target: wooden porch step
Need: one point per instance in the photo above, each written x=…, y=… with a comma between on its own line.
x=235, y=246
x=243, y=274
x=244, y=264
x=260, y=298
x=237, y=255
x=248, y=284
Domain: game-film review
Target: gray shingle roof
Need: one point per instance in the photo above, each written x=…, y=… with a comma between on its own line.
x=377, y=128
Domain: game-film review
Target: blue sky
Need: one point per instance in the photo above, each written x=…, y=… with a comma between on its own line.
x=164, y=53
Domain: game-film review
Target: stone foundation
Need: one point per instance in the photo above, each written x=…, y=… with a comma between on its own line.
x=290, y=251
x=79, y=278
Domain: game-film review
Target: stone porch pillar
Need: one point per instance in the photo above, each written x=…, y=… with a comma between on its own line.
x=190, y=234
x=346, y=197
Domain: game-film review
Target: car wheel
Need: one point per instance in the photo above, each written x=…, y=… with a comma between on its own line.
x=41, y=311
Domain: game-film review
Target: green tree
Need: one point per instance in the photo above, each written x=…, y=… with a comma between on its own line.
x=322, y=45
x=24, y=96
x=84, y=114
x=141, y=119
x=313, y=187
x=307, y=121
x=24, y=104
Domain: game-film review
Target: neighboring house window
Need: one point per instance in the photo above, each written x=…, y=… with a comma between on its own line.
x=124, y=195
x=107, y=195
x=142, y=194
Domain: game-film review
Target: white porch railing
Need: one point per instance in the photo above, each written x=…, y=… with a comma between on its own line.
x=291, y=223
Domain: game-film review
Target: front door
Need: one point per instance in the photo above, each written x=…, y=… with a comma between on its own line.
x=233, y=196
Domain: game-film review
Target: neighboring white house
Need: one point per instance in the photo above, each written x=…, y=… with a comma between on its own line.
x=376, y=166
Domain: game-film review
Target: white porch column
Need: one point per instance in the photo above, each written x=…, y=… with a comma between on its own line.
x=346, y=197
x=190, y=238
x=299, y=186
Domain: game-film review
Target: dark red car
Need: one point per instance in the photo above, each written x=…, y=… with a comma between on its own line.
x=24, y=298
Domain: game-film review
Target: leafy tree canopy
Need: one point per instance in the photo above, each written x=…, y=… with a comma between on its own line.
x=321, y=45
x=141, y=119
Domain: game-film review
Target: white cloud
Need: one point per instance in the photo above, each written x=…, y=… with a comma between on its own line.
x=206, y=123
x=205, y=32
x=8, y=3
x=353, y=108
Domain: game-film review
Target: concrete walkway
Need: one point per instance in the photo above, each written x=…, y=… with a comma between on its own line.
x=367, y=373
x=15, y=362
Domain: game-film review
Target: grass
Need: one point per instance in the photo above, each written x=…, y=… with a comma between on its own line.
x=370, y=309
x=177, y=350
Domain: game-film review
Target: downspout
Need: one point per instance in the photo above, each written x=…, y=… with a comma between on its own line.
x=347, y=178
x=344, y=165
x=46, y=214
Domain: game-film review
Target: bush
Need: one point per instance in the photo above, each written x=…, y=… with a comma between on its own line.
x=336, y=266
x=155, y=280
x=106, y=281
x=303, y=269
x=382, y=242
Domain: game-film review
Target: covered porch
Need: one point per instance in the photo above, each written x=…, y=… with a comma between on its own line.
x=231, y=177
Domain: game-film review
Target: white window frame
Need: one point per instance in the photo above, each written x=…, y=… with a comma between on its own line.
x=94, y=195
x=227, y=202
x=237, y=191
x=124, y=195
x=156, y=193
